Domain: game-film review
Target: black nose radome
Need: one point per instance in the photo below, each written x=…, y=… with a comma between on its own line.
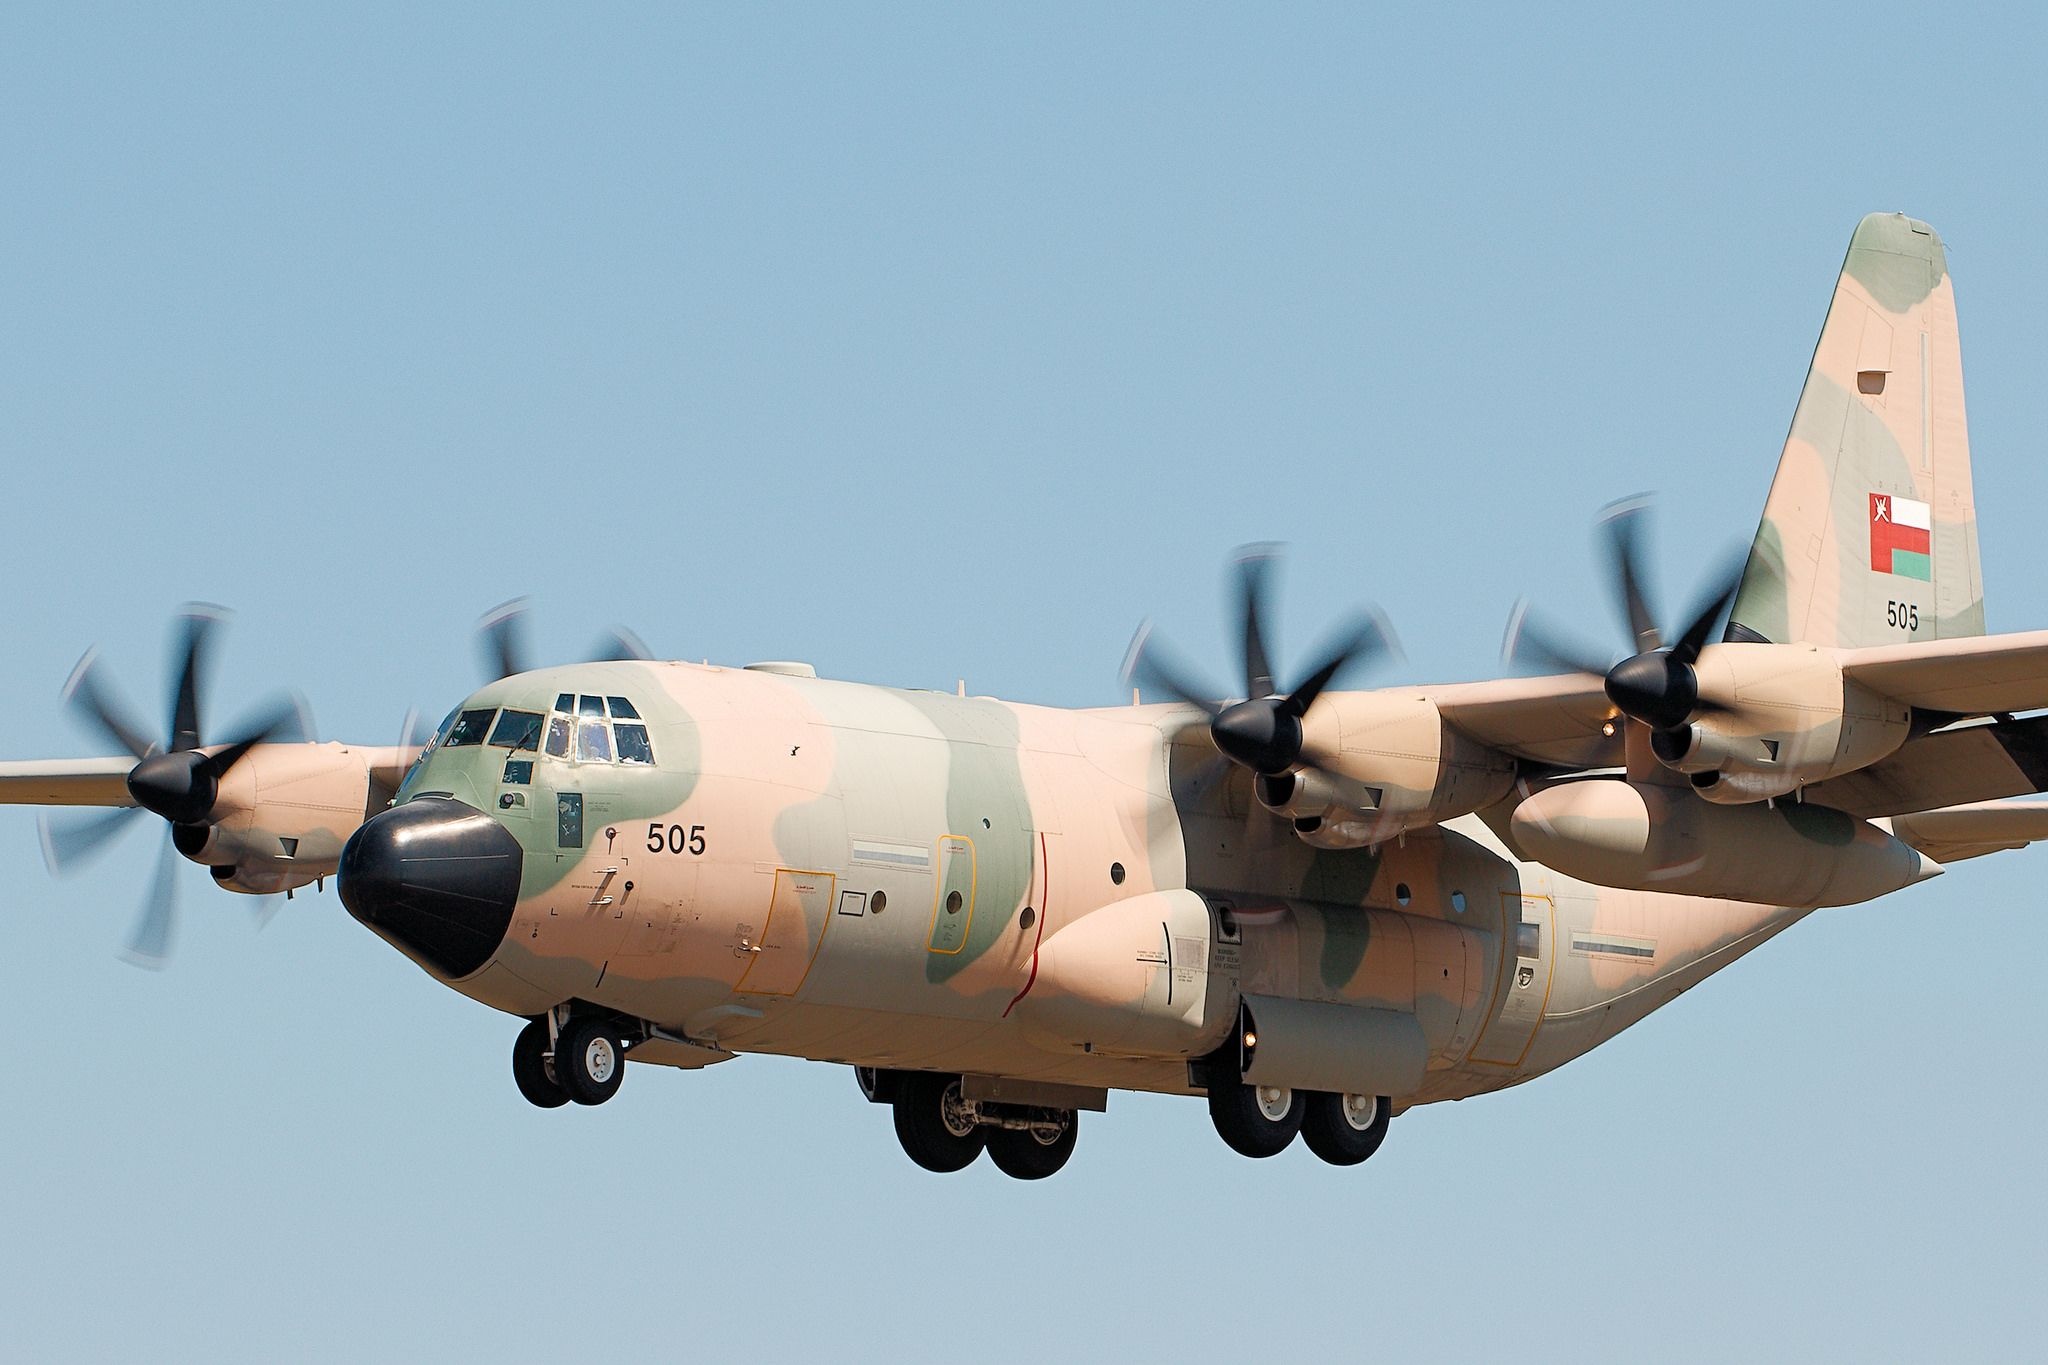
x=438, y=878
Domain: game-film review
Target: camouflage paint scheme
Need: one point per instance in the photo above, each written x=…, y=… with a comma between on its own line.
x=794, y=778
x=1881, y=413
x=922, y=882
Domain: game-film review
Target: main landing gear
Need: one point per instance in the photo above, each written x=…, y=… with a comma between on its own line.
x=1261, y=1120
x=584, y=1062
x=941, y=1130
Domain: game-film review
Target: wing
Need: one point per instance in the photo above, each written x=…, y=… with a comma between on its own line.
x=66, y=782
x=1984, y=761
x=1980, y=675
x=1554, y=720
x=1971, y=830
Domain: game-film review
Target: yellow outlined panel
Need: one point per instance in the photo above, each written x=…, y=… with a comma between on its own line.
x=799, y=911
x=953, y=896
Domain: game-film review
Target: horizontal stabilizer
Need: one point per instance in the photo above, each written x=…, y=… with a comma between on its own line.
x=1956, y=832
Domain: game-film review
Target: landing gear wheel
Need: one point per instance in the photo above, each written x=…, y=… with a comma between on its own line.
x=530, y=1067
x=590, y=1060
x=1346, y=1129
x=934, y=1125
x=1256, y=1120
x=1034, y=1153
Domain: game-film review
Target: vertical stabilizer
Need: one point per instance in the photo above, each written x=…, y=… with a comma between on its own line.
x=1870, y=533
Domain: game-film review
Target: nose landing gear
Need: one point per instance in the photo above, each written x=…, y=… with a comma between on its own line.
x=533, y=1069
x=585, y=1062
x=590, y=1059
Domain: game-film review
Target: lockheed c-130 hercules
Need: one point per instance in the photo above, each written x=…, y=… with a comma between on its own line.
x=1314, y=907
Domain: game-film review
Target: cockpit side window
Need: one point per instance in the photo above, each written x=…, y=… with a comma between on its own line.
x=517, y=730
x=470, y=728
x=633, y=745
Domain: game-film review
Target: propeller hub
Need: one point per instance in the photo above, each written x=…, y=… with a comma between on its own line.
x=180, y=786
x=1262, y=734
x=1655, y=688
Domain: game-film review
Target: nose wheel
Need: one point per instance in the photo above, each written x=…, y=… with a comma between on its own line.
x=531, y=1069
x=590, y=1060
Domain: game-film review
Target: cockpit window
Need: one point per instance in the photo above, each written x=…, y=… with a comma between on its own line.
x=470, y=728
x=591, y=706
x=622, y=709
x=593, y=742
x=565, y=701
x=633, y=745
x=559, y=728
x=517, y=730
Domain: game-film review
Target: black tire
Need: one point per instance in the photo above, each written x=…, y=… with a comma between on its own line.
x=878, y=1086
x=590, y=1060
x=932, y=1132
x=1022, y=1154
x=530, y=1067
x=1333, y=1131
x=1252, y=1119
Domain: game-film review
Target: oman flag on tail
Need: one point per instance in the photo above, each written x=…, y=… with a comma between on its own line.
x=1900, y=537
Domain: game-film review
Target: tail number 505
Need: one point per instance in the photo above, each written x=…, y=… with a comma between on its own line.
x=675, y=839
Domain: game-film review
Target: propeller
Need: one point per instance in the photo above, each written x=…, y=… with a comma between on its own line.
x=1263, y=730
x=1656, y=683
x=501, y=639
x=178, y=780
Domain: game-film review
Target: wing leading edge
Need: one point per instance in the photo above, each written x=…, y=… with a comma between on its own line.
x=66, y=782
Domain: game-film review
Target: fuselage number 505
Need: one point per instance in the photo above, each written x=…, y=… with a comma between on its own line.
x=675, y=839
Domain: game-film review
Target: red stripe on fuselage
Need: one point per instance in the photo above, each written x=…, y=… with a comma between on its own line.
x=1045, y=894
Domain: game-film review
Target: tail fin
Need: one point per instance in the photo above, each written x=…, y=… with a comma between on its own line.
x=1870, y=533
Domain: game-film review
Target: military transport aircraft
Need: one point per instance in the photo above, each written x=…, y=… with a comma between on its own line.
x=1314, y=907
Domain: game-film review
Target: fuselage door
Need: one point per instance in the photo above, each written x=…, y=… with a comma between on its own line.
x=1522, y=986
x=799, y=910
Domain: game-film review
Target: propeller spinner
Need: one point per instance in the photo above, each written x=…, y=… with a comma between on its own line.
x=178, y=780
x=1263, y=731
x=1657, y=684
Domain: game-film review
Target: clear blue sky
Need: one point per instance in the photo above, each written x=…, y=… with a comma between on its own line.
x=924, y=344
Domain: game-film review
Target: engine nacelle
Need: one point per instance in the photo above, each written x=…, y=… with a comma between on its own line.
x=1653, y=838
x=283, y=813
x=259, y=882
x=1385, y=763
x=1132, y=979
x=1778, y=718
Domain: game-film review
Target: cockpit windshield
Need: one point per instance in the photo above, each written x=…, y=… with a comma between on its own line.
x=469, y=728
x=591, y=729
x=517, y=730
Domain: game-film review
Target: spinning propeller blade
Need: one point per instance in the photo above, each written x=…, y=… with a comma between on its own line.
x=1262, y=732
